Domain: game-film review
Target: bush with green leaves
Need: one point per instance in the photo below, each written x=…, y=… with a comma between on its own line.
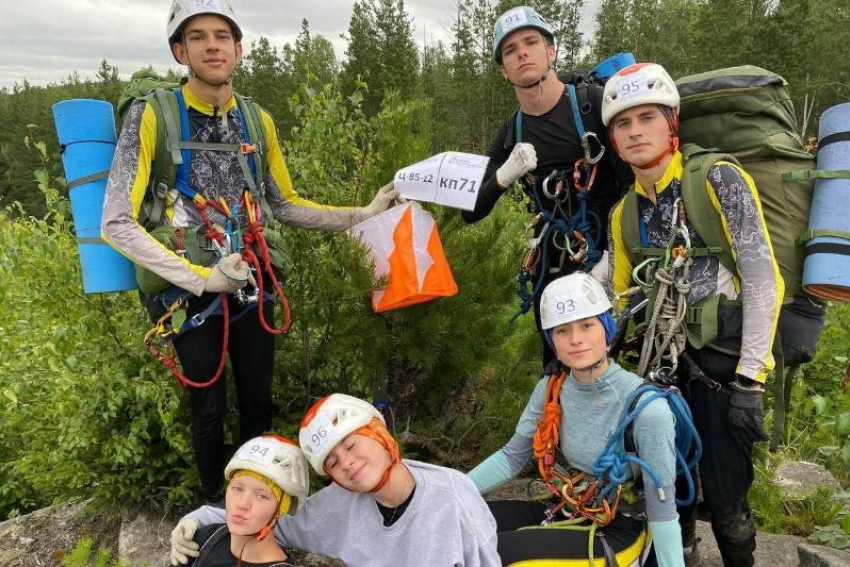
x=85, y=411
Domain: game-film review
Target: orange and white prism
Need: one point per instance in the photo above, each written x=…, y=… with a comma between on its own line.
x=405, y=245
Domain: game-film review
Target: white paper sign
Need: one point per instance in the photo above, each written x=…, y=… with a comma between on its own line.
x=320, y=433
x=632, y=86
x=450, y=178
x=205, y=6
x=512, y=19
x=259, y=450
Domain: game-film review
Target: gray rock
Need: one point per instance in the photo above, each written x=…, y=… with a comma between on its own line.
x=771, y=549
x=821, y=556
x=800, y=478
x=145, y=539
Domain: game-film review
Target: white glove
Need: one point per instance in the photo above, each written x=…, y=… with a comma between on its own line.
x=523, y=159
x=382, y=201
x=182, y=546
x=230, y=274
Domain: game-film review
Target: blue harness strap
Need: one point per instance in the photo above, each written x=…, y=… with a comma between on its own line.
x=172, y=294
x=183, y=170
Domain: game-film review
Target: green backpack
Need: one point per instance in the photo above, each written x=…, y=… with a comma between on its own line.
x=161, y=95
x=744, y=115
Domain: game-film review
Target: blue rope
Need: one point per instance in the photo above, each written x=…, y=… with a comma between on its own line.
x=612, y=466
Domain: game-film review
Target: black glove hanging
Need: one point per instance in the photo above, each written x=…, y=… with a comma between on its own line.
x=746, y=411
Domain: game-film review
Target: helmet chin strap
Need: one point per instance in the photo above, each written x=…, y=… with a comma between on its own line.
x=595, y=365
x=542, y=78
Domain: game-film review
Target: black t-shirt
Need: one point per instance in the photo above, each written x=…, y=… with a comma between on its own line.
x=392, y=515
x=555, y=139
x=217, y=538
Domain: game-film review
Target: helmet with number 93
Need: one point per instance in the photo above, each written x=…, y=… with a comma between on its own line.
x=277, y=459
x=571, y=298
x=329, y=421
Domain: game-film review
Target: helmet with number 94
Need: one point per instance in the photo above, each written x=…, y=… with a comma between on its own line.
x=636, y=85
x=571, y=298
x=329, y=421
x=279, y=460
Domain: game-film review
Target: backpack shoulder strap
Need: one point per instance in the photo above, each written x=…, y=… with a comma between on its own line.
x=166, y=157
x=696, y=163
x=630, y=223
x=251, y=117
x=629, y=433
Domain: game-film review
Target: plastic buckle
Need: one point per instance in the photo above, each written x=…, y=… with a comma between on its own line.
x=247, y=148
x=588, y=152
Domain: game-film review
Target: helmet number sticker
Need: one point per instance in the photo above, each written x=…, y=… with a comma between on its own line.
x=259, y=450
x=632, y=86
x=321, y=433
x=212, y=4
x=565, y=306
x=513, y=18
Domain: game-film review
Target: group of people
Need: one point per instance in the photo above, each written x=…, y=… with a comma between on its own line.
x=619, y=141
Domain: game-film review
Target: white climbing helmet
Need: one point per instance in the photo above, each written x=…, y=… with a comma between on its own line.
x=279, y=460
x=570, y=298
x=182, y=10
x=329, y=421
x=638, y=84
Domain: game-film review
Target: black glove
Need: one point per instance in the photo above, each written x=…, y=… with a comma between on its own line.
x=746, y=411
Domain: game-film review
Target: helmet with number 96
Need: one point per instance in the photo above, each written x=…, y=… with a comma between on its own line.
x=571, y=298
x=329, y=421
x=279, y=460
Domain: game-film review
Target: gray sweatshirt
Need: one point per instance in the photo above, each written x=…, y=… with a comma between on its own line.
x=447, y=524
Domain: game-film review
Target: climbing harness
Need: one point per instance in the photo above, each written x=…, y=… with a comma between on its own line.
x=224, y=241
x=576, y=234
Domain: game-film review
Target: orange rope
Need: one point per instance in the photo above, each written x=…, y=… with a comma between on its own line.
x=547, y=436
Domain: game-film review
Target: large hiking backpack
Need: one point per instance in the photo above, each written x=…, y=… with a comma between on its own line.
x=170, y=166
x=747, y=112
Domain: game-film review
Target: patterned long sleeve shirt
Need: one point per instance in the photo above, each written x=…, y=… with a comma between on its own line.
x=757, y=283
x=213, y=174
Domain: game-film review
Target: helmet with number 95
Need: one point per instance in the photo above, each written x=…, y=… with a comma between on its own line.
x=277, y=459
x=636, y=85
x=329, y=421
x=571, y=298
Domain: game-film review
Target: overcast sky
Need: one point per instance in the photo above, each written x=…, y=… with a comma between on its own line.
x=45, y=40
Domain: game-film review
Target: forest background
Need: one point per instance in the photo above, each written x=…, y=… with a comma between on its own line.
x=84, y=411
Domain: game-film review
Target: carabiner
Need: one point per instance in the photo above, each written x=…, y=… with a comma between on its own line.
x=585, y=144
x=559, y=186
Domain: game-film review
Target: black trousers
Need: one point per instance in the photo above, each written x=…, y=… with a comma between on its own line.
x=251, y=352
x=522, y=538
x=726, y=466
